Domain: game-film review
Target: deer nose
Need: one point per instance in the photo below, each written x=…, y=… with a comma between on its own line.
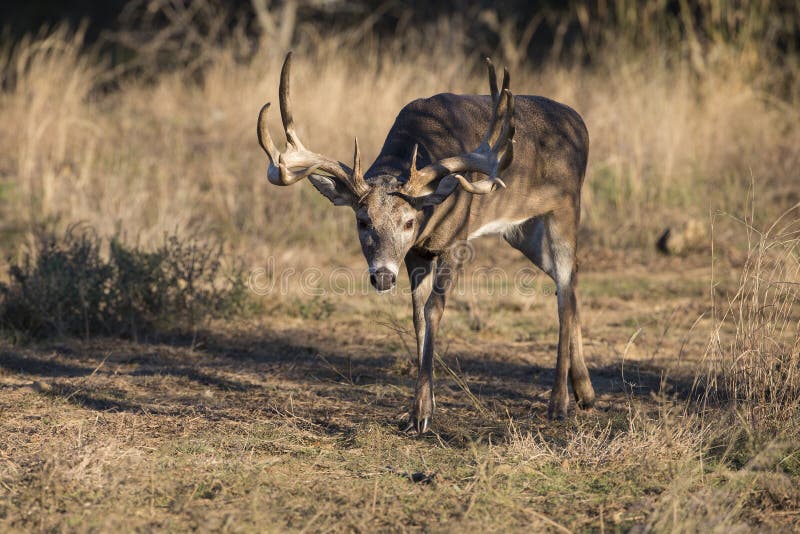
x=382, y=279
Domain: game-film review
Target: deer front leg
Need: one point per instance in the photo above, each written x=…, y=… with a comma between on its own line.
x=419, y=275
x=424, y=401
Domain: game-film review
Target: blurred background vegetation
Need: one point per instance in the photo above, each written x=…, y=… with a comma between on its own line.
x=541, y=25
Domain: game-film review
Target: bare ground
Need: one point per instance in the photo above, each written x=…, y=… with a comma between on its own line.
x=291, y=421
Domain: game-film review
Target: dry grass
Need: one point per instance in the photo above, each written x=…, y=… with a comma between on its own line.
x=754, y=351
x=288, y=420
x=292, y=423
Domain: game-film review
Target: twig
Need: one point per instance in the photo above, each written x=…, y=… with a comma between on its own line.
x=334, y=369
x=464, y=387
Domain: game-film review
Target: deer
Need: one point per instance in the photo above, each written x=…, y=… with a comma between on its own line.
x=454, y=168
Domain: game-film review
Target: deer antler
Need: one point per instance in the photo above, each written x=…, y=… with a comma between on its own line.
x=297, y=162
x=493, y=155
x=493, y=79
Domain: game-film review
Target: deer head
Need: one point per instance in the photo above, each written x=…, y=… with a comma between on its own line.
x=390, y=210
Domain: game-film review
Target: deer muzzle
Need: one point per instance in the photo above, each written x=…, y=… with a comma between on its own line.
x=383, y=279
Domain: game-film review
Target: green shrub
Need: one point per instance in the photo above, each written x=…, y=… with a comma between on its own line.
x=65, y=286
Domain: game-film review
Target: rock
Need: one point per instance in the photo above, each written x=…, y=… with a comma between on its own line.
x=41, y=387
x=691, y=235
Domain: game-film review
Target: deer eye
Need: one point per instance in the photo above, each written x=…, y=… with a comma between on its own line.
x=409, y=224
x=362, y=224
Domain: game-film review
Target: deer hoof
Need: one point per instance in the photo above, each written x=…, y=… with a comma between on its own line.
x=420, y=426
x=584, y=393
x=556, y=412
x=419, y=419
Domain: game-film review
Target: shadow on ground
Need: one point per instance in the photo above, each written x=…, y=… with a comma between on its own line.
x=334, y=386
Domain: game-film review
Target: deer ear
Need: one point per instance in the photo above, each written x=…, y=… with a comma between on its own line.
x=333, y=190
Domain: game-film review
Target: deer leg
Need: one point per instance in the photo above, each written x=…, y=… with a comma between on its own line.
x=424, y=401
x=562, y=233
x=532, y=239
x=578, y=373
x=419, y=275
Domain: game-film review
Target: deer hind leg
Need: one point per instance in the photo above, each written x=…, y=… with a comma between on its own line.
x=578, y=373
x=532, y=238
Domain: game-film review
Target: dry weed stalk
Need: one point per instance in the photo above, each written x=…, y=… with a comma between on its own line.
x=754, y=356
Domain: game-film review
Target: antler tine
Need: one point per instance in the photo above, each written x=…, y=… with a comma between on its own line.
x=412, y=170
x=481, y=187
x=357, y=183
x=502, y=120
x=264, y=139
x=492, y=78
x=286, y=103
x=497, y=121
x=507, y=136
x=356, y=158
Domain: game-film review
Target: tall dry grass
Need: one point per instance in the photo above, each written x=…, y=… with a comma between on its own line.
x=754, y=353
x=675, y=131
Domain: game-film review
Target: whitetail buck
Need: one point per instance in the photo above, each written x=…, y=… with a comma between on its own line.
x=414, y=204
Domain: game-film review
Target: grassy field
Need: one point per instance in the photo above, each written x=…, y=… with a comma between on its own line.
x=293, y=422
x=288, y=415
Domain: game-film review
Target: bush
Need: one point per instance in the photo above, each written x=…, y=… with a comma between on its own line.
x=65, y=285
